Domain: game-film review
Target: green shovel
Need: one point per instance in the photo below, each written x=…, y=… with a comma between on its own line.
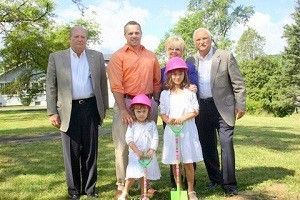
x=178, y=194
x=144, y=162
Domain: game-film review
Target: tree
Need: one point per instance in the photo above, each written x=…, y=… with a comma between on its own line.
x=292, y=54
x=250, y=45
x=266, y=86
x=217, y=15
x=16, y=12
x=27, y=45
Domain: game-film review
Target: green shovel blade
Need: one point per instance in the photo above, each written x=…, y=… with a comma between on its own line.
x=145, y=162
x=176, y=129
x=179, y=195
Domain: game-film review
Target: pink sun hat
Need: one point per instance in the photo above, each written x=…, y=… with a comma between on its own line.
x=141, y=99
x=175, y=63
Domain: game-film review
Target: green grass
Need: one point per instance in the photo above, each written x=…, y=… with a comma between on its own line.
x=267, y=161
x=24, y=122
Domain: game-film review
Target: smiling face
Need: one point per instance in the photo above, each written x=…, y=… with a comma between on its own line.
x=174, y=46
x=174, y=51
x=202, y=41
x=141, y=112
x=133, y=35
x=78, y=39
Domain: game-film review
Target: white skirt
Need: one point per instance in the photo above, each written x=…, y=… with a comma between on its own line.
x=136, y=171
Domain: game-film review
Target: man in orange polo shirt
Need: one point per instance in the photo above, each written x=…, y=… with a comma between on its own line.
x=132, y=70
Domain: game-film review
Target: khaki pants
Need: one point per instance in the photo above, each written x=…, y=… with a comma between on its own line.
x=121, y=148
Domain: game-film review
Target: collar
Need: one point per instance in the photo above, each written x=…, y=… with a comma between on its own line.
x=74, y=55
x=126, y=47
x=209, y=55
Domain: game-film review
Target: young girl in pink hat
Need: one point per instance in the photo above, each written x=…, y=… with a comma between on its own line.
x=179, y=106
x=142, y=139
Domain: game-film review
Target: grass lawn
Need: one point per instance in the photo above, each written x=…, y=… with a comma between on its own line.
x=267, y=160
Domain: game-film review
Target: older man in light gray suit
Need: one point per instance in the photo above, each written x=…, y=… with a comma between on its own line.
x=221, y=94
x=77, y=98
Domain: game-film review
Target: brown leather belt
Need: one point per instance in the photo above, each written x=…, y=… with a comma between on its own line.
x=128, y=96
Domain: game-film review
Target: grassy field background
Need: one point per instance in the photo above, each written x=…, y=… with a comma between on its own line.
x=267, y=160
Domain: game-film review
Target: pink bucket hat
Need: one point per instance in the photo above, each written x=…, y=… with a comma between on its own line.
x=141, y=99
x=175, y=63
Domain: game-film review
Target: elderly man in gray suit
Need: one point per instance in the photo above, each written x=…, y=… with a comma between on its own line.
x=77, y=98
x=221, y=95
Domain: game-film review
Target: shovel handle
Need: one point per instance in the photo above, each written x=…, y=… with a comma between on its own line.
x=145, y=184
x=177, y=164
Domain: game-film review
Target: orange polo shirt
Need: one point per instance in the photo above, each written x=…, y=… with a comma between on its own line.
x=134, y=72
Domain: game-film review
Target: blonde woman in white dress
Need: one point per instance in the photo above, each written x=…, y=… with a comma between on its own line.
x=142, y=139
x=179, y=105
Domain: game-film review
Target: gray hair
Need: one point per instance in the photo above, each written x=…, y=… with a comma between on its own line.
x=78, y=27
x=204, y=30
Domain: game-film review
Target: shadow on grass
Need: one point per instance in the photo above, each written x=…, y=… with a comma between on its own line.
x=274, y=138
x=26, y=132
x=248, y=177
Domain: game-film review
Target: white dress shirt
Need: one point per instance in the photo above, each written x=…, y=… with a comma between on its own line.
x=204, y=70
x=81, y=77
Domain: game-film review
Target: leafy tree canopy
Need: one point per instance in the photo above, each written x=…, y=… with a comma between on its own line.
x=219, y=16
x=250, y=45
x=29, y=36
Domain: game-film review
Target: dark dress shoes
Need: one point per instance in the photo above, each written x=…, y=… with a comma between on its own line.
x=231, y=192
x=212, y=186
x=74, y=197
x=93, y=196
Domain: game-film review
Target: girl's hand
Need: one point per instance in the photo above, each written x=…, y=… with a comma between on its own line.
x=150, y=153
x=139, y=154
x=179, y=120
x=170, y=121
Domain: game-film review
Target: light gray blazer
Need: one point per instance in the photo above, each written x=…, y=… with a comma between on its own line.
x=228, y=87
x=59, y=84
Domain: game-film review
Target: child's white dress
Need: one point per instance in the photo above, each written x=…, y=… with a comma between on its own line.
x=176, y=105
x=145, y=136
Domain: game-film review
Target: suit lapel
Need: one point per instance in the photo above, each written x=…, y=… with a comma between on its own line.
x=196, y=56
x=91, y=62
x=67, y=68
x=214, y=66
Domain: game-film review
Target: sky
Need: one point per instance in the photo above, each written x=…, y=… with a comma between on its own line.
x=157, y=17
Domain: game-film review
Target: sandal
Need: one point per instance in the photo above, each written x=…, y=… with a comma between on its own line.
x=144, y=198
x=123, y=196
x=151, y=192
x=192, y=195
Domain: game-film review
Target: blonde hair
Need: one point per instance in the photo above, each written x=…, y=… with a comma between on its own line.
x=175, y=39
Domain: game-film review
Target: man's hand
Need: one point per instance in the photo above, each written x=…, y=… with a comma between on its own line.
x=55, y=120
x=239, y=113
x=126, y=117
x=193, y=88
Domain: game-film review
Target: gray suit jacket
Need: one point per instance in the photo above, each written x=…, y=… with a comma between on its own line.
x=59, y=84
x=228, y=88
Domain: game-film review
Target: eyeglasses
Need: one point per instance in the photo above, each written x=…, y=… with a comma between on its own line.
x=174, y=49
